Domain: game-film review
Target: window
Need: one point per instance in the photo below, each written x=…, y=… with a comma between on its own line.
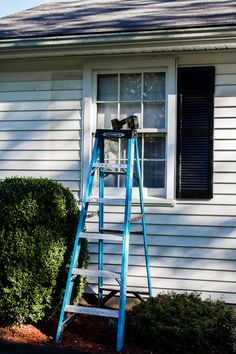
x=145, y=87
x=142, y=93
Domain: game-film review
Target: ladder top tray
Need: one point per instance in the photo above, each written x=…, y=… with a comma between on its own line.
x=116, y=134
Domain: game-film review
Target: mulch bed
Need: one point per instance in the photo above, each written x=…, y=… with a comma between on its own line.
x=85, y=334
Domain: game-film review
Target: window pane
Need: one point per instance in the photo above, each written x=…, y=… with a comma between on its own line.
x=154, y=115
x=154, y=147
x=154, y=174
x=154, y=86
x=107, y=87
x=130, y=87
x=112, y=179
x=135, y=181
x=111, y=150
x=128, y=109
x=106, y=112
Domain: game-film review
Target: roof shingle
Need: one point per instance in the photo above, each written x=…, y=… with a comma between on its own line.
x=72, y=17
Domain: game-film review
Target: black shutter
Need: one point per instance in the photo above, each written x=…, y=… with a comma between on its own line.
x=195, y=132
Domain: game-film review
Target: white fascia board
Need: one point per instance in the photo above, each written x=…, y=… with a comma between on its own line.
x=128, y=42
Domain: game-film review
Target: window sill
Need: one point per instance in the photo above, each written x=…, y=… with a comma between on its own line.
x=155, y=201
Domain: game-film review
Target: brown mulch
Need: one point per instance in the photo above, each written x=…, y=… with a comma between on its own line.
x=85, y=334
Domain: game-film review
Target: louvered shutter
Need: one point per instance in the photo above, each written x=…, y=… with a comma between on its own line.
x=195, y=132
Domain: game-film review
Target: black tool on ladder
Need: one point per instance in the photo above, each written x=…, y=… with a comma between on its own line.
x=68, y=310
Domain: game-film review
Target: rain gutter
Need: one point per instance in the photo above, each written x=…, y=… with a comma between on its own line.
x=123, y=41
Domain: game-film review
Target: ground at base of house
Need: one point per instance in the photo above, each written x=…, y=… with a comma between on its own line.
x=85, y=335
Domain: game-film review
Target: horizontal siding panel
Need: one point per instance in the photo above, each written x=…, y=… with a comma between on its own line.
x=225, y=166
x=216, y=200
x=225, y=90
x=223, y=155
x=225, y=112
x=40, y=165
x=172, y=262
x=40, y=105
x=229, y=123
x=169, y=273
x=40, y=95
x=226, y=68
x=40, y=135
x=187, y=241
x=40, y=115
x=221, y=188
x=54, y=145
x=180, y=209
x=225, y=134
x=228, y=101
x=226, y=79
x=225, y=178
x=29, y=76
x=172, y=219
x=225, y=145
x=175, y=230
x=40, y=125
x=39, y=155
x=181, y=284
x=55, y=175
x=41, y=85
x=187, y=252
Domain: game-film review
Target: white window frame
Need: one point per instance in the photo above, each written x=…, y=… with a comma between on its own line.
x=167, y=65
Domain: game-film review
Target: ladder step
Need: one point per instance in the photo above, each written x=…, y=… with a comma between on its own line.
x=127, y=291
x=110, y=165
x=104, y=237
x=95, y=273
x=92, y=311
x=136, y=218
x=108, y=201
x=120, y=232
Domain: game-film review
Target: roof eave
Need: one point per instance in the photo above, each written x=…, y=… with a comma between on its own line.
x=125, y=42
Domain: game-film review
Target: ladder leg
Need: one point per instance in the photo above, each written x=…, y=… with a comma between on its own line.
x=76, y=249
x=143, y=219
x=125, y=246
x=101, y=222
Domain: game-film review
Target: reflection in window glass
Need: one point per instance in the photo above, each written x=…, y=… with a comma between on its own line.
x=154, y=147
x=154, y=86
x=111, y=150
x=107, y=87
x=128, y=109
x=154, y=115
x=154, y=174
x=130, y=87
x=106, y=112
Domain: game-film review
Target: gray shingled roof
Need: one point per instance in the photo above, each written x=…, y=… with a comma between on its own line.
x=71, y=17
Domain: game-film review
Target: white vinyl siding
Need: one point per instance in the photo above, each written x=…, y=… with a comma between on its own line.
x=40, y=125
x=192, y=244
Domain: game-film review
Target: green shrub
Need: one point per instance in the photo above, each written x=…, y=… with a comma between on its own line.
x=38, y=221
x=182, y=323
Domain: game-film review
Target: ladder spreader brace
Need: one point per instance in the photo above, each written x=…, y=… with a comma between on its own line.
x=98, y=163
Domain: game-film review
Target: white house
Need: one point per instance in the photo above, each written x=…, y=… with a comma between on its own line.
x=69, y=67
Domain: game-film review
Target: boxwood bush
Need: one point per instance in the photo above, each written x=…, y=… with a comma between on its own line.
x=182, y=323
x=38, y=221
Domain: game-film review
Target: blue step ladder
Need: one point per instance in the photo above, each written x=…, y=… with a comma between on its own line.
x=68, y=310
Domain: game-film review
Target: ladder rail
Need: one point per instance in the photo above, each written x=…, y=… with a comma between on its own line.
x=143, y=219
x=77, y=244
x=101, y=222
x=125, y=246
